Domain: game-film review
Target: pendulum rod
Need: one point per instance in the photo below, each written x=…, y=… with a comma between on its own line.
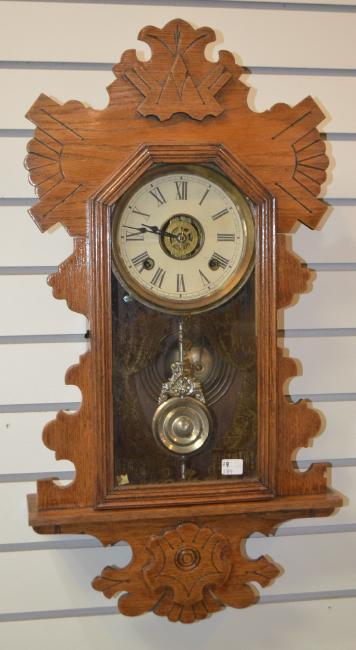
x=181, y=358
x=180, y=341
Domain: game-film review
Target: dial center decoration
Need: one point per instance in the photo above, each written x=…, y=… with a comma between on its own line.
x=182, y=237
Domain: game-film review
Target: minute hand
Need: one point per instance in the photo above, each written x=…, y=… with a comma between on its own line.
x=157, y=231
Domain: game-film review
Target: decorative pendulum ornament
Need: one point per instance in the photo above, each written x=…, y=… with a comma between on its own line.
x=182, y=423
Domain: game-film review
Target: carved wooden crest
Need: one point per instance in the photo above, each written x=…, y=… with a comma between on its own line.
x=187, y=556
x=70, y=134
x=178, y=78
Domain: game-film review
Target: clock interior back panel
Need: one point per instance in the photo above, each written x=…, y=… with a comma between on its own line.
x=220, y=345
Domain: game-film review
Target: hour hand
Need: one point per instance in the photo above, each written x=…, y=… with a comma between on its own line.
x=145, y=228
x=135, y=228
x=149, y=228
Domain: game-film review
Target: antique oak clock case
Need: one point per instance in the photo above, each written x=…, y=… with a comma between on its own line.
x=180, y=200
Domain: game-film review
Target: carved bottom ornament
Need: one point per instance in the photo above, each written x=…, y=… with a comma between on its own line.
x=192, y=572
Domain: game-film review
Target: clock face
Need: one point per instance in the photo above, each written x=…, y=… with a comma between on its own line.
x=183, y=240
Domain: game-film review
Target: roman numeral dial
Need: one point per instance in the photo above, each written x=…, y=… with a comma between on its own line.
x=156, y=192
x=183, y=239
x=182, y=190
x=139, y=260
x=180, y=283
x=158, y=278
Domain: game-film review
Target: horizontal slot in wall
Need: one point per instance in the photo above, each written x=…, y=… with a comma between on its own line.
x=13, y=504
x=19, y=317
x=23, y=247
x=327, y=620
x=279, y=37
x=69, y=572
x=334, y=93
x=24, y=452
x=310, y=316
x=340, y=184
x=38, y=369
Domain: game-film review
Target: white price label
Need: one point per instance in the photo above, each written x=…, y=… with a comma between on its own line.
x=232, y=466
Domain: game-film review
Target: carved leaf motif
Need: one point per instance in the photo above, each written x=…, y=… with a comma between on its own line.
x=295, y=279
x=178, y=78
x=237, y=592
x=76, y=148
x=187, y=561
x=58, y=434
x=113, y=581
x=46, y=151
x=72, y=272
x=193, y=572
x=302, y=423
x=187, y=564
x=298, y=132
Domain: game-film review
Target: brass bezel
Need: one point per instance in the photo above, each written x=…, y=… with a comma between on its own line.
x=235, y=282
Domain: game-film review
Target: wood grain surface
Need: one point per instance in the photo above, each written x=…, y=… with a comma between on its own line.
x=178, y=107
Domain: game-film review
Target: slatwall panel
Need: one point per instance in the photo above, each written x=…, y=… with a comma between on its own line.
x=66, y=49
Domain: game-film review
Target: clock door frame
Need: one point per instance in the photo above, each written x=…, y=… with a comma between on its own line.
x=101, y=207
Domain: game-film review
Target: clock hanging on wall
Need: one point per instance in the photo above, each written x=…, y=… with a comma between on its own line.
x=179, y=199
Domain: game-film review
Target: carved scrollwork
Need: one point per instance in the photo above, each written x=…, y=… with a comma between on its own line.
x=187, y=562
x=178, y=78
x=303, y=423
x=296, y=278
x=302, y=186
x=192, y=572
x=75, y=148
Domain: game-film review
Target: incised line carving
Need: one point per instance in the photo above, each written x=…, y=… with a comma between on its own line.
x=192, y=572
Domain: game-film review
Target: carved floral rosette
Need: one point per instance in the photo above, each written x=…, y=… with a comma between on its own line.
x=192, y=572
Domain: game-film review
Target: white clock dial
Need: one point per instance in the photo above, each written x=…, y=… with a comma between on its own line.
x=183, y=240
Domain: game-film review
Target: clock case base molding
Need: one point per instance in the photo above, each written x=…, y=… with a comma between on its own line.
x=178, y=108
x=184, y=565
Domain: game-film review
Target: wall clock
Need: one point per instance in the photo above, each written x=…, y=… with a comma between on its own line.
x=180, y=200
